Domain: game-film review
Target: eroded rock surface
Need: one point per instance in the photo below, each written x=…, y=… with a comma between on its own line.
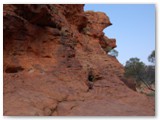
x=49, y=51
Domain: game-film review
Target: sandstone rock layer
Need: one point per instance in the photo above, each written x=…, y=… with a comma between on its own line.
x=49, y=51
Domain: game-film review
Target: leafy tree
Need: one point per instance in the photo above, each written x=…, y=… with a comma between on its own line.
x=113, y=52
x=134, y=68
x=151, y=57
x=139, y=71
x=150, y=74
x=151, y=68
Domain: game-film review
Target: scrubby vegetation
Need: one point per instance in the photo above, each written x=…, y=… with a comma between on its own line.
x=143, y=75
x=113, y=52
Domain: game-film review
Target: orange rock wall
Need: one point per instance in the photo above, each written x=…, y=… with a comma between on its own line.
x=49, y=51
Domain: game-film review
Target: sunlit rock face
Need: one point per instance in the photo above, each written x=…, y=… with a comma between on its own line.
x=52, y=54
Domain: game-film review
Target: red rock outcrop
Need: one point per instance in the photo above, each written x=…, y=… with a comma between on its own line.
x=49, y=51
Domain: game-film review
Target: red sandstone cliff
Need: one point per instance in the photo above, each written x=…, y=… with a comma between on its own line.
x=49, y=51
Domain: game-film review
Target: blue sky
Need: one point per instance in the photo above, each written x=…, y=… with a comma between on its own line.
x=133, y=27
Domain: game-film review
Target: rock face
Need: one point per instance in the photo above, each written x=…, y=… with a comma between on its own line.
x=49, y=51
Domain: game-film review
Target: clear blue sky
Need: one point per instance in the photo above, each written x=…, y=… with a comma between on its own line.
x=133, y=27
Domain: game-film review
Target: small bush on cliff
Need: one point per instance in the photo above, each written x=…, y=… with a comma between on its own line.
x=107, y=49
x=113, y=52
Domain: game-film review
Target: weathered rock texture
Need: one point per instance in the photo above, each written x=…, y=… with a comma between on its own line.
x=49, y=51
